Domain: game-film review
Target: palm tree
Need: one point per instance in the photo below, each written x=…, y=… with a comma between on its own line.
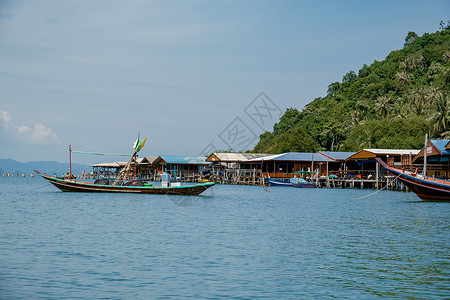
x=366, y=141
x=446, y=56
x=441, y=118
x=432, y=94
x=403, y=78
x=358, y=117
x=415, y=62
x=418, y=103
x=383, y=105
x=399, y=110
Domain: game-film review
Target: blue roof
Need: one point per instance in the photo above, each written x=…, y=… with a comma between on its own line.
x=440, y=145
x=337, y=155
x=184, y=160
x=299, y=156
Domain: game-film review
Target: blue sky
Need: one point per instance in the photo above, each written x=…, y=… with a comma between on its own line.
x=96, y=73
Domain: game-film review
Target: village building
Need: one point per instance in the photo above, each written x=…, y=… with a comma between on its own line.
x=182, y=167
x=438, y=158
x=234, y=168
x=367, y=167
x=285, y=165
x=226, y=160
x=109, y=170
x=337, y=165
x=145, y=168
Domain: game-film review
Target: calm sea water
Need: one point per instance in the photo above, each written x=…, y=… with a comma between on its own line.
x=240, y=242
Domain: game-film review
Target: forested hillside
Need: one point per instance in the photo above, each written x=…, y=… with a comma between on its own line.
x=387, y=104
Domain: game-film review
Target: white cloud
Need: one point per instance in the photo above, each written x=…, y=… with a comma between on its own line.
x=37, y=134
x=6, y=118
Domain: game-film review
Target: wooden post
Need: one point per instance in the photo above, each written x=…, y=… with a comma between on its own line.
x=376, y=175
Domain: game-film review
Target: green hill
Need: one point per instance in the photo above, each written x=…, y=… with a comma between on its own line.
x=388, y=104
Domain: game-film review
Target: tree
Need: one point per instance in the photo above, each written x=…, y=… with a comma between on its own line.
x=383, y=106
x=442, y=25
x=441, y=117
x=358, y=117
x=399, y=110
x=349, y=77
x=333, y=88
x=287, y=121
x=296, y=140
x=415, y=62
x=410, y=38
x=446, y=56
x=403, y=78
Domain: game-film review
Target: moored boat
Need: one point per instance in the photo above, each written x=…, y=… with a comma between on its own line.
x=67, y=185
x=302, y=183
x=118, y=186
x=426, y=188
x=278, y=182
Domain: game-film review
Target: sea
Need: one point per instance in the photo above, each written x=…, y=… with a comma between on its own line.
x=232, y=242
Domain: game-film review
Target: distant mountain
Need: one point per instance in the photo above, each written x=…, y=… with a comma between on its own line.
x=48, y=167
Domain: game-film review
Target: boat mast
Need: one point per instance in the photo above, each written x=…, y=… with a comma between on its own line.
x=425, y=156
x=70, y=162
x=138, y=145
x=135, y=163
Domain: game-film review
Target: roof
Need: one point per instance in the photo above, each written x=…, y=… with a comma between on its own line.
x=293, y=156
x=196, y=160
x=434, y=148
x=234, y=157
x=442, y=146
x=182, y=160
x=110, y=165
x=148, y=159
x=334, y=155
x=372, y=153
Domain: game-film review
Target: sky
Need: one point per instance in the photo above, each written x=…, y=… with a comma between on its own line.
x=193, y=76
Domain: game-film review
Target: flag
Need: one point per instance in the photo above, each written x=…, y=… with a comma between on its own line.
x=140, y=145
x=136, y=143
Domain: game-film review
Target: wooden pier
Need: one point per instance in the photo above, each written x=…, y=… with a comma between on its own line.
x=257, y=178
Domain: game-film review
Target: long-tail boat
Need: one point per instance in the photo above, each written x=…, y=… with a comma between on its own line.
x=67, y=185
x=118, y=185
x=425, y=187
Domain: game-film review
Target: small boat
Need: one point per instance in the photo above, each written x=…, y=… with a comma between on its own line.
x=118, y=186
x=426, y=188
x=137, y=187
x=278, y=182
x=302, y=183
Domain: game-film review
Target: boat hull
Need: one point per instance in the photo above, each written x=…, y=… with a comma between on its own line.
x=301, y=183
x=427, y=189
x=278, y=182
x=66, y=185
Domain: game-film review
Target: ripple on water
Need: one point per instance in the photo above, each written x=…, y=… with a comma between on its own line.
x=242, y=242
